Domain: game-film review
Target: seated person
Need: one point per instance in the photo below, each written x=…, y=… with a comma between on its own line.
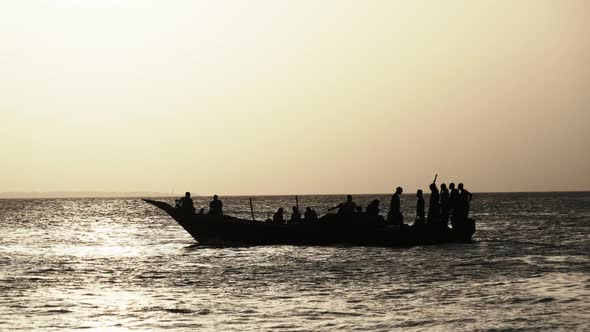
x=216, y=207
x=278, y=217
x=186, y=204
x=295, y=216
x=310, y=214
x=346, y=208
x=373, y=209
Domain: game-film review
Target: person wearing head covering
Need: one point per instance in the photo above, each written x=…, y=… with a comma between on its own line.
x=373, y=208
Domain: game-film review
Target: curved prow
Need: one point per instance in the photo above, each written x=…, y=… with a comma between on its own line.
x=162, y=205
x=182, y=221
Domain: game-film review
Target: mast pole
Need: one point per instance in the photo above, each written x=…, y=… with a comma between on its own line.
x=252, y=209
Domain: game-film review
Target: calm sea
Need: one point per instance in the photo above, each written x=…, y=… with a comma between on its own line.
x=120, y=264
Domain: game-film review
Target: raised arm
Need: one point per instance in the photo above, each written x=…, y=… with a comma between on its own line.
x=334, y=207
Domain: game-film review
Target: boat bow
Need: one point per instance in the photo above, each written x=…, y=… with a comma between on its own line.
x=161, y=205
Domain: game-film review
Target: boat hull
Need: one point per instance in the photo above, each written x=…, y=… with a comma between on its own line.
x=330, y=230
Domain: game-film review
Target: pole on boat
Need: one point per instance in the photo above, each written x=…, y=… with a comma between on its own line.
x=252, y=209
x=435, y=177
x=297, y=202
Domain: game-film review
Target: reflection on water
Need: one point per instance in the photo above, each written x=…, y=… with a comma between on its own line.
x=119, y=265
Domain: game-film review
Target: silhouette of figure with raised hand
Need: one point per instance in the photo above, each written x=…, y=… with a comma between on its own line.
x=310, y=214
x=278, y=218
x=216, y=206
x=433, y=204
x=420, y=208
x=295, y=216
x=347, y=208
x=395, y=215
x=186, y=204
x=373, y=208
x=444, y=204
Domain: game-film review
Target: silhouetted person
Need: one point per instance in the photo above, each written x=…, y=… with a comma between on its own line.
x=295, y=216
x=310, y=214
x=420, y=208
x=395, y=215
x=186, y=204
x=278, y=217
x=347, y=208
x=453, y=203
x=465, y=198
x=373, y=208
x=433, y=204
x=444, y=204
x=216, y=206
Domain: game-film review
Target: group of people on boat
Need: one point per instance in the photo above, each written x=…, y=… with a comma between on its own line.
x=445, y=204
x=187, y=206
x=279, y=216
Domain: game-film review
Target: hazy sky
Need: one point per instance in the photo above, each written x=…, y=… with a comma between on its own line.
x=268, y=97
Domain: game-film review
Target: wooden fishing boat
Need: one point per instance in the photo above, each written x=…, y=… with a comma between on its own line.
x=331, y=229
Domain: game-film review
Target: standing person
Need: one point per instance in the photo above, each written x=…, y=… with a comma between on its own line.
x=433, y=204
x=444, y=204
x=395, y=215
x=465, y=198
x=216, y=206
x=420, y=208
x=453, y=203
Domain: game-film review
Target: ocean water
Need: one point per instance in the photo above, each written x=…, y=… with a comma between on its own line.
x=122, y=265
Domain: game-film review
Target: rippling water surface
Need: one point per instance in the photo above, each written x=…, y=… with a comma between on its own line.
x=120, y=264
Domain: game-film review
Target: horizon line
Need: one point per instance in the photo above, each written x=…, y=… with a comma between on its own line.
x=152, y=194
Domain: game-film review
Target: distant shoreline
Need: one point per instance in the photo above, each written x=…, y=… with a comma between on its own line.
x=74, y=194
